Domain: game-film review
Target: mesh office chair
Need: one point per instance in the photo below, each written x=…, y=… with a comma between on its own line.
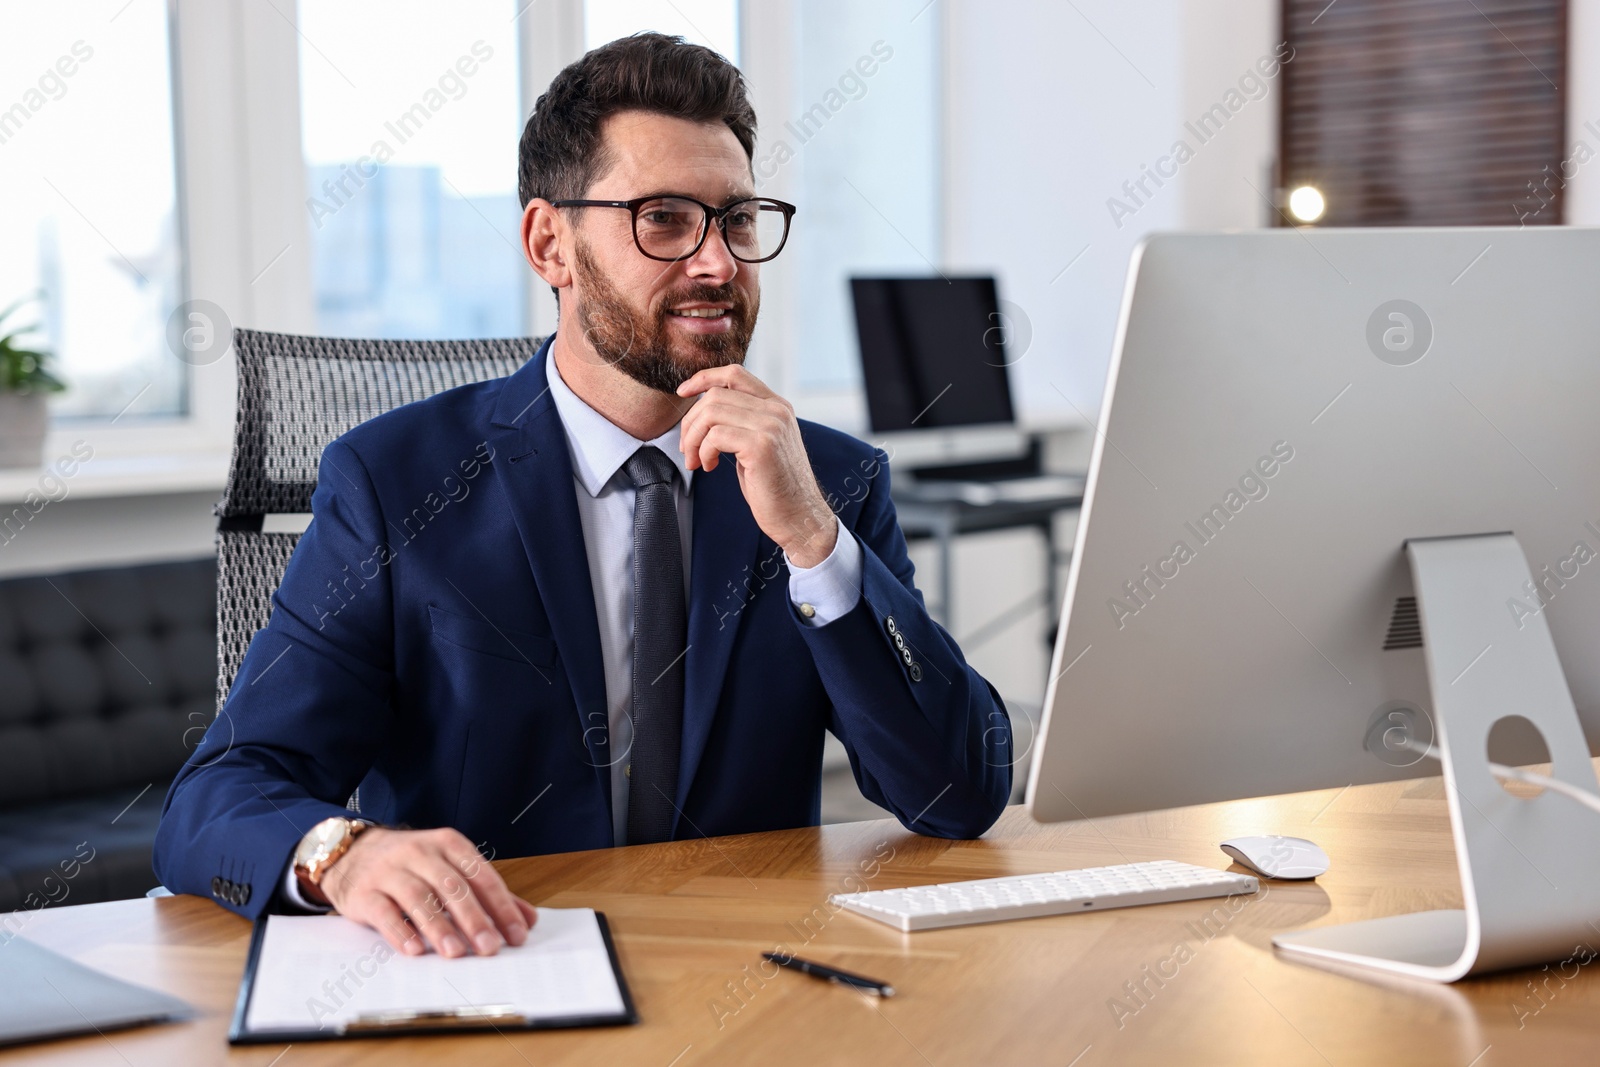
x=296, y=394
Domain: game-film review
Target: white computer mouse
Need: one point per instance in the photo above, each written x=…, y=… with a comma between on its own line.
x=1273, y=856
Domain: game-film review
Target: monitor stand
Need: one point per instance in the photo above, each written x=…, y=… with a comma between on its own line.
x=1530, y=866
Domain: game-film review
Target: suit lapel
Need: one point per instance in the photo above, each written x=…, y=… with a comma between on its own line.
x=536, y=470
x=722, y=560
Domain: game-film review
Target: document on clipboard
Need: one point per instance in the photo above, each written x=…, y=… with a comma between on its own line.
x=312, y=977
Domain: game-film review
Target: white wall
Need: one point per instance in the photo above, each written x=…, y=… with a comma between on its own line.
x=1224, y=183
x=1050, y=109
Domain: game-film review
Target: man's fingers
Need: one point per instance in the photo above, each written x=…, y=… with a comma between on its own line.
x=721, y=405
x=463, y=907
x=724, y=438
x=731, y=377
x=719, y=409
x=501, y=904
x=496, y=900
x=429, y=888
x=530, y=914
x=385, y=916
x=427, y=913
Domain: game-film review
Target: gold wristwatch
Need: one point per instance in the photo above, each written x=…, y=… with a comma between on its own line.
x=321, y=848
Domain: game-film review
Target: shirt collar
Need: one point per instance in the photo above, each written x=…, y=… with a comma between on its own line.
x=599, y=446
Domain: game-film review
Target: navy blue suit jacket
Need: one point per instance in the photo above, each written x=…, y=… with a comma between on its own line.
x=434, y=643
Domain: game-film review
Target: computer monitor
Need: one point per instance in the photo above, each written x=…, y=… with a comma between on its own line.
x=933, y=362
x=1284, y=410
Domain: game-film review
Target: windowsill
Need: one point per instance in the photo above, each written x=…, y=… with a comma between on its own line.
x=150, y=474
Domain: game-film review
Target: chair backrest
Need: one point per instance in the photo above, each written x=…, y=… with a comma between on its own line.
x=296, y=394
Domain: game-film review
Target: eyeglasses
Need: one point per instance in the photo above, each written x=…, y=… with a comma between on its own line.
x=672, y=228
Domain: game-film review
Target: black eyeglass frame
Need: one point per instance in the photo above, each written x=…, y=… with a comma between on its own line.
x=716, y=214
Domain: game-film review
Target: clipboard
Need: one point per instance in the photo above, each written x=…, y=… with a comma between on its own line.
x=486, y=1014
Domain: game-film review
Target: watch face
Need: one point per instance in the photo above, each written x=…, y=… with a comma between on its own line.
x=322, y=840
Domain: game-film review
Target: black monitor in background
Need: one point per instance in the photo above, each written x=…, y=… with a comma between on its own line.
x=932, y=352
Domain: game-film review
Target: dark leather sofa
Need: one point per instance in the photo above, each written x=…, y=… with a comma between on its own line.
x=107, y=681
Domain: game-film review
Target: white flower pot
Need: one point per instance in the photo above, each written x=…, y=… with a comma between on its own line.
x=24, y=418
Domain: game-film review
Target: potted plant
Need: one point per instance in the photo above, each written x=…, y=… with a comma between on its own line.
x=25, y=382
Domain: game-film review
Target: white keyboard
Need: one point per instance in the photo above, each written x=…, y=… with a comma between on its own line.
x=1029, y=896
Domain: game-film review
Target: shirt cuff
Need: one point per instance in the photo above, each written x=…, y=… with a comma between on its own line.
x=291, y=892
x=832, y=588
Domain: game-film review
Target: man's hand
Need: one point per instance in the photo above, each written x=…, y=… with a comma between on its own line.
x=738, y=414
x=412, y=885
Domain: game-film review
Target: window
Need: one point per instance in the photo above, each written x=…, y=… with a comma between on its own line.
x=862, y=135
x=713, y=23
x=410, y=118
x=87, y=176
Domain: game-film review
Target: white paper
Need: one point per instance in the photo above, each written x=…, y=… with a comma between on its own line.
x=318, y=972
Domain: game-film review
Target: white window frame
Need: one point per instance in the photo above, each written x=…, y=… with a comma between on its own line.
x=549, y=36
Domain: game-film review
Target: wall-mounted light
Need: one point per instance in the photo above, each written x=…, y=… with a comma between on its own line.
x=1307, y=204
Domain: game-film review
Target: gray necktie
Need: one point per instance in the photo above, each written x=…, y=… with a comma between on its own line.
x=660, y=635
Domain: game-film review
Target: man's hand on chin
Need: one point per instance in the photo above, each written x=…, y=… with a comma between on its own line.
x=427, y=885
x=738, y=414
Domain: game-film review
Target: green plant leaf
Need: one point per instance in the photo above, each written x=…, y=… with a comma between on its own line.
x=44, y=381
x=22, y=370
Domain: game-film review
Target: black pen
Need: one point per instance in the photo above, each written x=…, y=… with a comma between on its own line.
x=831, y=974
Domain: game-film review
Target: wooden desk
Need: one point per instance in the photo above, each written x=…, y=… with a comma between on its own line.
x=692, y=917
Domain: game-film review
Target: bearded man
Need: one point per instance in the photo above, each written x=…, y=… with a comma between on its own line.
x=660, y=593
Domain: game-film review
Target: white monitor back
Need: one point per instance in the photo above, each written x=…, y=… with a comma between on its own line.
x=1322, y=396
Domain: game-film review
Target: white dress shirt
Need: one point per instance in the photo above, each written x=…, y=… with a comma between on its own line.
x=599, y=448
x=605, y=497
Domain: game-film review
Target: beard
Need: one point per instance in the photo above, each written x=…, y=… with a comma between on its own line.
x=644, y=345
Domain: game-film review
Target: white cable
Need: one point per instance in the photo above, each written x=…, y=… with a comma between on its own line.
x=1500, y=770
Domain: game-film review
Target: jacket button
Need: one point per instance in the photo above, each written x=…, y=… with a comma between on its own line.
x=916, y=672
x=890, y=625
x=899, y=642
x=244, y=894
x=216, y=885
x=905, y=654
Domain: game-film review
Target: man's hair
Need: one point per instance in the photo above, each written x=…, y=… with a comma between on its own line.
x=562, y=153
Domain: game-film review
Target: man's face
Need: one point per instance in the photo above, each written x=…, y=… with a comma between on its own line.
x=635, y=311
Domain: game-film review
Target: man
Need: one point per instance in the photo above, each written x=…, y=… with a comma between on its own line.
x=651, y=592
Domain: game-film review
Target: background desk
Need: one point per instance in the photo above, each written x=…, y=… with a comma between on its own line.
x=691, y=919
x=925, y=514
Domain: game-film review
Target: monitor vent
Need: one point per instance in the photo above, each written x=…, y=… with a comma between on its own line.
x=1405, y=627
